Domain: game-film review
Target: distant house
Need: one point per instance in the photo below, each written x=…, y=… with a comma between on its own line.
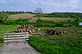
x=80, y=23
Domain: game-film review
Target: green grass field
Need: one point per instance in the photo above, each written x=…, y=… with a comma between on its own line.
x=69, y=43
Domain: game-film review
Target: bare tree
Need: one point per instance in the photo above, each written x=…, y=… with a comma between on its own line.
x=38, y=12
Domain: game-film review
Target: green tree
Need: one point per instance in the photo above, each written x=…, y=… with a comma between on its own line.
x=76, y=21
x=3, y=17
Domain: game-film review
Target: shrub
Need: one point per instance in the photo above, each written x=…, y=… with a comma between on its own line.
x=15, y=22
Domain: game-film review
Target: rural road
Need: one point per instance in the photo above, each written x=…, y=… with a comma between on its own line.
x=18, y=48
x=17, y=44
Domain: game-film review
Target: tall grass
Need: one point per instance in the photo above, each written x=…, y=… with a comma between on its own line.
x=69, y=43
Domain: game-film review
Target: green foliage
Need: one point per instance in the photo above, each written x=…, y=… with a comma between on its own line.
x=59, y=25
x=20, y=21
x=54, y=14
x=63, y=15
x=3, y=17
x=38, y=23
x=42, y=23
x=15, y=12
x=64, y=44
x=1, y=40
x=76, y=21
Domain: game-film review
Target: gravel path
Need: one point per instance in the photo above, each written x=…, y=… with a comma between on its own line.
x=18, y=48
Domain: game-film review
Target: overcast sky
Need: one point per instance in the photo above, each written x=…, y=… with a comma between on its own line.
x=46, y=5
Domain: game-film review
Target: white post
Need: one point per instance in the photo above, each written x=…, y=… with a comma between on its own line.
x=7, y=39
x=25, y=37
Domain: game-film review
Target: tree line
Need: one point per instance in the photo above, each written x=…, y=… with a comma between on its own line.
x=63, y=15
x=14, y=12
x=54, y=14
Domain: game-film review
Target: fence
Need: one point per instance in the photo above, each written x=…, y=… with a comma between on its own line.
x=16, y=37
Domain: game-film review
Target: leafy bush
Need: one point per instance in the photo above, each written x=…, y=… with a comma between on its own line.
x=1, y=40
x=3, y=17
x=16, y=22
